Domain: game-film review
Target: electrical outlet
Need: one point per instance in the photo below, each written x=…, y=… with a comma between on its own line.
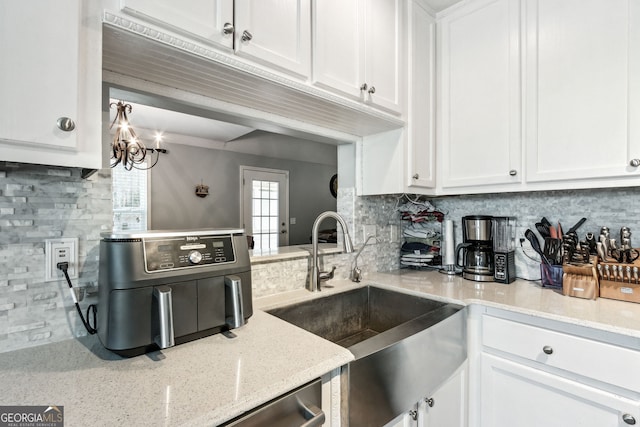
x=60, y=250
x=369, y=230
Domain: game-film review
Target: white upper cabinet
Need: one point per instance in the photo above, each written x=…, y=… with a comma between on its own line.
x=383, y=52
x=479, y=138
x=50, y=81
x=583, y=89
x=338, y=46
x=358, y=49
x=276, y=32
x=421, y=150
x=209, y=20
x=403, y=160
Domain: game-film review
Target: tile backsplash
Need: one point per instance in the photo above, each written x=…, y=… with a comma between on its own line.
x=38, y=203
x=41, y=202
x=611, y=207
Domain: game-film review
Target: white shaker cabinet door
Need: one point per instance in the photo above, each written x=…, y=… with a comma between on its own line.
x=583, y=89
x=479, y=97
x=338, y=46
x=205, y=19
x=447, y=406
x=421, y=148
x=384, y=53
x=516, y=395
x=275, y=32
x=50, y=83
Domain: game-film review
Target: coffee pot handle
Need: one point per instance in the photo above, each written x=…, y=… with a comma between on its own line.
x=460, y=247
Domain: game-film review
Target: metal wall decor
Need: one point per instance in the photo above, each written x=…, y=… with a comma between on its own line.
x=127, y=149
x=202, y=190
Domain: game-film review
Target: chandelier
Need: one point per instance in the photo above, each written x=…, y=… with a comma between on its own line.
x=127, y=149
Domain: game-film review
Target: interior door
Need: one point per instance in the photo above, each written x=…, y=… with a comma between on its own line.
x=265, y=206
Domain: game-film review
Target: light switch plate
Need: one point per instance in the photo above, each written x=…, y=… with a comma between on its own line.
x=60, y=250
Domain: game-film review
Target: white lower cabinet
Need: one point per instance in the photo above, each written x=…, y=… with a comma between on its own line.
x=445, y=407
x=513, y=394
x=553, y=374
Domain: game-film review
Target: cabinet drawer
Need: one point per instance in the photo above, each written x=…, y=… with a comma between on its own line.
x=588, y=358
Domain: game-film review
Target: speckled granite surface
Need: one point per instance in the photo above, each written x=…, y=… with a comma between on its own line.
x=201, y=383
x=214, y=379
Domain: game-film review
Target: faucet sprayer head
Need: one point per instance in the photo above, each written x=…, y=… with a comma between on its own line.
x=348, y=244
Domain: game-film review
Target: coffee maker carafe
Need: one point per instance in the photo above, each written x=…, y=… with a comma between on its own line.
x=476, y=248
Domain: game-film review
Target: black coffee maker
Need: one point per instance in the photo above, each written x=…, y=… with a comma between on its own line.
x=476, y=248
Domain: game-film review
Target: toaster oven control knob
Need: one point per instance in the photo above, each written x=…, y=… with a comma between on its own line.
x=195, y=257
x=629, y=419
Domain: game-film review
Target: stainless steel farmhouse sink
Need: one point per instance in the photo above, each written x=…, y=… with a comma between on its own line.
x=404, y=346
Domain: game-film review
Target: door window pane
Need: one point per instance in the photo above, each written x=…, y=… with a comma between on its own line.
x=265, y=214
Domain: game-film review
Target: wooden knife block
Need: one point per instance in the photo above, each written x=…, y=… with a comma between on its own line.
x=580, y=280
x=619, y=289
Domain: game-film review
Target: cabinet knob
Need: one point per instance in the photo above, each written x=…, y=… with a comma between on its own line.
x=629, y=419
x=372, y=90
x=547, y=349
x=227, y=28
x=430, y=401
x=364, y=86
x=413, y=414
x=246, y=36
x=66, y=124
x=634, y=163
x=513, y=172
x=416, y=176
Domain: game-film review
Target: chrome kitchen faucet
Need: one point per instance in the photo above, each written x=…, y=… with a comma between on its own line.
x=318, y=276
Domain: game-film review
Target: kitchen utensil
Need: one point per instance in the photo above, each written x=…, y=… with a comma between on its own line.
x=590, y=239
x=607, y=272
x=552, y=232
x=545, y=221
x=553, y=250
x=543, y=230
x=601, y=251
x=560, y=234
x=535, y=244
x=629, y=273
x=635, y=274
x=577, y=225
x=600, y=271
x=614, y=272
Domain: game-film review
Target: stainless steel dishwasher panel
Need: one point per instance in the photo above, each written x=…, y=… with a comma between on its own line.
x=387, y=383
x=299, y=408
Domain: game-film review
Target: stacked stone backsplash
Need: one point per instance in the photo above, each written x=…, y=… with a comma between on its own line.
x=37, y=203
x=381, y=255
x=611, y=207
x=41, y=202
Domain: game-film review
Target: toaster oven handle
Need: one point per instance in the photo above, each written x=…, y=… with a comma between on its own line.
x=235, y=306
x=164, y=299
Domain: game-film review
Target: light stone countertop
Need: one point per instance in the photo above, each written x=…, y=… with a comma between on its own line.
x=214, y=379
x=200, y=383
x=520, y=296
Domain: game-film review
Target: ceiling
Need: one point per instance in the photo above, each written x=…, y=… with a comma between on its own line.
x=439, y=5
x=166, y=121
